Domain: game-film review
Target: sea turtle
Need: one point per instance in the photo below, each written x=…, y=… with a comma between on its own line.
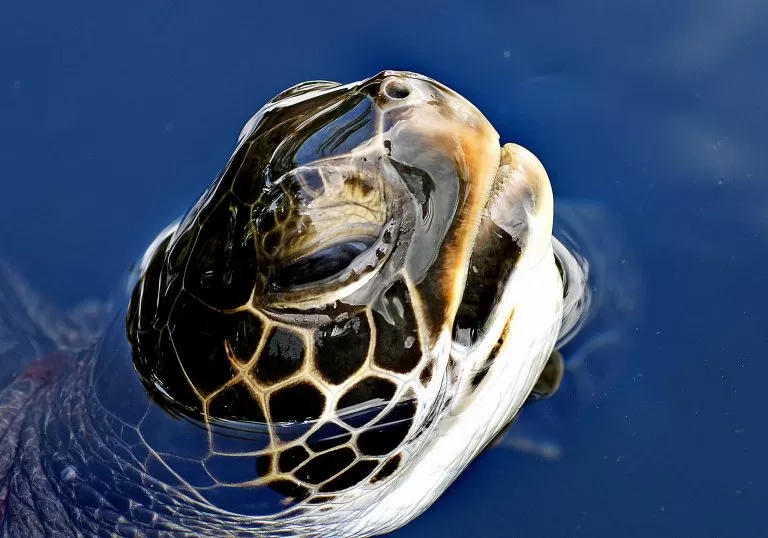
x=361, y=301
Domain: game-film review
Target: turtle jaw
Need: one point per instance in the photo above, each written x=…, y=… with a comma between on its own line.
x=521, y=204
x=514, y=235
x=524, y=182
x=465, y=428
x=519, y=337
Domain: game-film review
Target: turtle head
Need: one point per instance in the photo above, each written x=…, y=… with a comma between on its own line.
x=334, y=194
x=351, y=271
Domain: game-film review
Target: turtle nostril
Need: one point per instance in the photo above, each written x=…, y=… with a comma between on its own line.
x=396, y=89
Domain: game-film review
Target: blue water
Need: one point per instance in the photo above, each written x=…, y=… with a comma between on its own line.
x=113, y=119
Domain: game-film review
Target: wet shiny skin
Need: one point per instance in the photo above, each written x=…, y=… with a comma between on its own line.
x=361, y=300
x=649, y=116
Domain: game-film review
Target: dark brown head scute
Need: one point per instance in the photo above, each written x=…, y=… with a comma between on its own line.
x=341, y=348
x=247, y=331
x=320, y=468
x=397, y=347
x=373, y=393
x=389, y=431
x=282, y=356
x=388, y=468
x=221, y=273
x=296, y=403
x=200, y=332
x=236, y=402
x=292, y=458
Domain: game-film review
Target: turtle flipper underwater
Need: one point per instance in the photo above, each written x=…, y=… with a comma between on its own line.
x=364, y=297
x=549, y=379
x=32, y=329
x=38, y=342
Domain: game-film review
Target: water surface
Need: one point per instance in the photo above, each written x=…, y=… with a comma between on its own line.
x=113, y=119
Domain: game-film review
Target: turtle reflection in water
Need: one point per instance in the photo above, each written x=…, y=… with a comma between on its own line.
x=362, y=300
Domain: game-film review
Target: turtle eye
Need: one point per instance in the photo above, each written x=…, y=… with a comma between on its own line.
x=322, y=265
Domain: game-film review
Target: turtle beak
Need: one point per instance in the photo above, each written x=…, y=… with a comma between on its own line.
x=523, y=205
x=446, y=154
x=514, y=237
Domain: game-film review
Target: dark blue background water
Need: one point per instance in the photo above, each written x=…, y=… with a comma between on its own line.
x=113, y=119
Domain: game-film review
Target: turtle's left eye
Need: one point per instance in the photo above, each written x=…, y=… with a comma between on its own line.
x=322, y=265
x=326, y=232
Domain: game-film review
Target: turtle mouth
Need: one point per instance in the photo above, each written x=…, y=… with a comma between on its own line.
x=521, y=202
x=515, y=235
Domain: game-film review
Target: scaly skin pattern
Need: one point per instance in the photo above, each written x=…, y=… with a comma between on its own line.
x=360, y=302
x=67, y=470
x=69, y=467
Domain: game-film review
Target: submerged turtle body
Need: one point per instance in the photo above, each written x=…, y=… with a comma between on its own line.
x=361, y=301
